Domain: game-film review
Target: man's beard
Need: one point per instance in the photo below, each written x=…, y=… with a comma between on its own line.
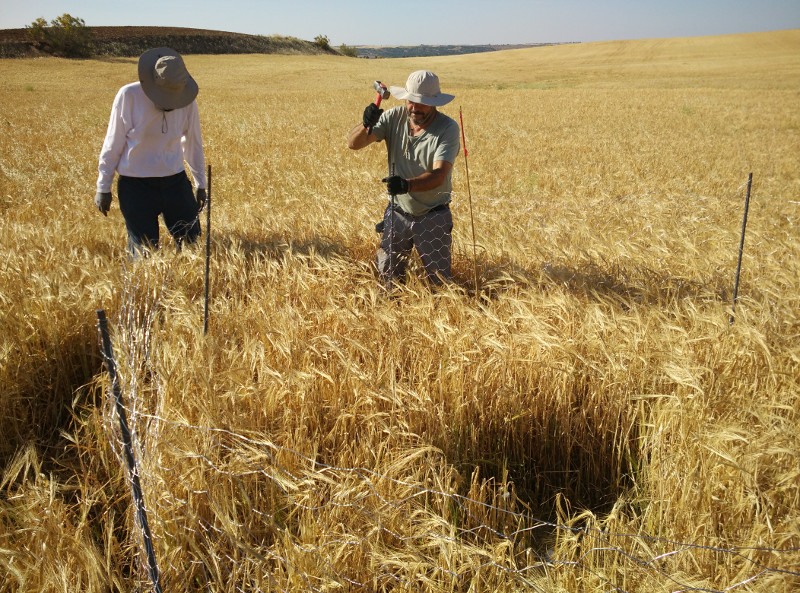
x=420, y=119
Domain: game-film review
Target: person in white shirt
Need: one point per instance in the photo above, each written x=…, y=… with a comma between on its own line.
x=155, y=127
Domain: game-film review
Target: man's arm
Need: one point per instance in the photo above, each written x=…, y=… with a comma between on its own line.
x=358, y=138
x=430, y=179
x=114, y=142
x=192, y=145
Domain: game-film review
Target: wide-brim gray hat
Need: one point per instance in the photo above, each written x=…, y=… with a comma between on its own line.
x=165, y=79
x=422, y=86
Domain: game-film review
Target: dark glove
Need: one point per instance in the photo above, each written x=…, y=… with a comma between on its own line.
x=395, y=185
x=103, y=202
x=371, y=116
x=201, y=196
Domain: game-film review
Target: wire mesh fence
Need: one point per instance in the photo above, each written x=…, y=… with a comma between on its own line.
x=430, y=234
x=232, y=510
x=271, y=519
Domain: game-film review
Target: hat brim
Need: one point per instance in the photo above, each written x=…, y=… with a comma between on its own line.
x=401, y=93
x=162, y=98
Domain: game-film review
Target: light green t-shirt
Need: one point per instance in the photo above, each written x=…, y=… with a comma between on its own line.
x=415, y=155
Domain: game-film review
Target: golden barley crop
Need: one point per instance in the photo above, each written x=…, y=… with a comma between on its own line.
x=588, y=420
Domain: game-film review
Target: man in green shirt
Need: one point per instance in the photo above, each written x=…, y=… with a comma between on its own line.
x=422, y=145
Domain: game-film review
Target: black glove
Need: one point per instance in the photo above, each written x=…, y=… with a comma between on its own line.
x=395, y=185
x=371, y=116
x=200, y=196
x=103, y=202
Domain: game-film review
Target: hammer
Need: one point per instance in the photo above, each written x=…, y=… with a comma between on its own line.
x=383, y=92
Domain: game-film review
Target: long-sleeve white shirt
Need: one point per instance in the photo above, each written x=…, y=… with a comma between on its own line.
x=144, y=141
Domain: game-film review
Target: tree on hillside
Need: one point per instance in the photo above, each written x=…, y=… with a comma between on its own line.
x=323, y=42
x=66, y=36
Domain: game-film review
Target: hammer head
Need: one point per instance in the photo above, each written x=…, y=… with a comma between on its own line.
x=381, y=89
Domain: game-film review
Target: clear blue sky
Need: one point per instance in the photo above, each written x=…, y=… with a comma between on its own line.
x=432, y=22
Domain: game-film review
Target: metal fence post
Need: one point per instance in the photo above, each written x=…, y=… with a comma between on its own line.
x=138, y=499
x=741, y=247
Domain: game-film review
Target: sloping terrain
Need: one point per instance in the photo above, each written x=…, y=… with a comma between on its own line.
x=132, y=41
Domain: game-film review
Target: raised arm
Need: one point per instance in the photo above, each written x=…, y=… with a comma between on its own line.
x=358, y=138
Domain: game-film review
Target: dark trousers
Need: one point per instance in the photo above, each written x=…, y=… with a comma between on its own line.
x=143, y=199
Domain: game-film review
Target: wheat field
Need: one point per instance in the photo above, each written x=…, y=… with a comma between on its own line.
x=588, y=419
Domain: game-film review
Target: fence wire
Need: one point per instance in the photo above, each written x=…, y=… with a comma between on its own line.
x=429, y=234
x=235, y=511
x=246, y=529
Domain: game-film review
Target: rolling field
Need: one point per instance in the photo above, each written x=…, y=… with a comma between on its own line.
x=587, y=420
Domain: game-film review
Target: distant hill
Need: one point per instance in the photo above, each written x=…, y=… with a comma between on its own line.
x=412, y=51
x=132, y=41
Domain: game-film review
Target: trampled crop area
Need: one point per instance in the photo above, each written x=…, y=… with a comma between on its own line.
x=588, y=419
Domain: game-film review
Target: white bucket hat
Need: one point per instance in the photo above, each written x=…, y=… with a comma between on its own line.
x=422, y=86
x=165, y=80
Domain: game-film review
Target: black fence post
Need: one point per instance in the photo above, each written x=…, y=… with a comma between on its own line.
x=741, y=247
x=208, y=249
x=138, y=499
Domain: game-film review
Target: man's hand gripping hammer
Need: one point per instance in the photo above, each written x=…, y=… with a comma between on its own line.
x=373, y=111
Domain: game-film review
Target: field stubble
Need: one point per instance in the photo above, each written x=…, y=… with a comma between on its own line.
x=595, y=382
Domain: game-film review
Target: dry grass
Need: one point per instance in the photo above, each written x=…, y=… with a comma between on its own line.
x=596, y=380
